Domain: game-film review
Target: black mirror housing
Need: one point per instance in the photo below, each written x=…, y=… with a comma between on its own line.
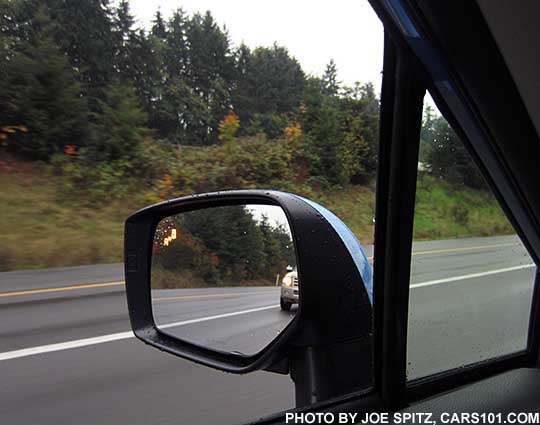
x=335, y=298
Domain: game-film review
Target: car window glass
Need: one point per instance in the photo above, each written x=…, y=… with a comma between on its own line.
x=471, y=277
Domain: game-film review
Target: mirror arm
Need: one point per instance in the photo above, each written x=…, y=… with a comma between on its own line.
x=320, y=373
x=304, y=373
x=280, y=366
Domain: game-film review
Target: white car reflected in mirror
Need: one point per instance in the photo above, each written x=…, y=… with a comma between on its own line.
x=289, y=289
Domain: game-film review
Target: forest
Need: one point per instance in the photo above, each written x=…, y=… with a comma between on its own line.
x=227, y=245
x=84, y=88
x=104, y=110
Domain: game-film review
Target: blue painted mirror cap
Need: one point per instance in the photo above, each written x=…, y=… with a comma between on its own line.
x=351, y=243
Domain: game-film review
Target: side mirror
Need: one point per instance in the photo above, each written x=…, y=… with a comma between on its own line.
x=177, y=250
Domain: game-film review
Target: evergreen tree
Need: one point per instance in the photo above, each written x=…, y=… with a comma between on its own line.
x=123, y=20
x=242, y=95
x=172, y=99
x=445, y=155
x=322, y=125
x=159, y=28
x=147, y=75
x=278, y=247
x=232, y=234
x=176, y=60
x=39, y=91
x=271, y=82
x=154, y=77
x=330, y=83
x=120, y=126
x=125, y=59
x=210, y=75
x=83, y=31
x=16, y=22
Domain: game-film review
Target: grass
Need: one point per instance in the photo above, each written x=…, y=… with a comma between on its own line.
x=355, y=205
x=443, y=212
x=39, y=229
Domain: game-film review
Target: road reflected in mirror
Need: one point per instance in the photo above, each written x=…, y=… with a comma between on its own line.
x=225, y=277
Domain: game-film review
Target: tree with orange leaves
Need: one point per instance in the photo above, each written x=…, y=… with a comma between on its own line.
x=228, y=127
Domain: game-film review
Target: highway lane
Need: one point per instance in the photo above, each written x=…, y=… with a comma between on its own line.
x=247, y=333
x=125, y=381
x=60, y=277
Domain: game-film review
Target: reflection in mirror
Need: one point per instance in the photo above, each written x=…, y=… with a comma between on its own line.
x=225, y=277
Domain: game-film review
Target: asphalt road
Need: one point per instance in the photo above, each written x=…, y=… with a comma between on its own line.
x=67, y=355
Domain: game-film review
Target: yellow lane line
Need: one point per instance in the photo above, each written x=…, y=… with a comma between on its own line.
x=465, y=248
x=101, y=285
x=59, y=289
x=97, y=285
x=470, y=248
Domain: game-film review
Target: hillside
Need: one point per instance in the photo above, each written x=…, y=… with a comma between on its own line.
x=40, y=228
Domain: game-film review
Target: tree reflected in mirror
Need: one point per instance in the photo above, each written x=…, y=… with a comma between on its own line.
x=230, y=267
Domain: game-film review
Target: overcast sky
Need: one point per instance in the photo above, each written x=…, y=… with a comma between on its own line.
x=275, y=215
x=314, y=32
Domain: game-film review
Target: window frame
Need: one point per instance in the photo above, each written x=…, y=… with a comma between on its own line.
x=403, y=90
x=406, y=42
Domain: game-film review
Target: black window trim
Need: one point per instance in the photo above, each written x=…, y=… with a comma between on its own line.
x=402, y=95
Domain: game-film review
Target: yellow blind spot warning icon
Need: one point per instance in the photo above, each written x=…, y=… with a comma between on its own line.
x=167, y=240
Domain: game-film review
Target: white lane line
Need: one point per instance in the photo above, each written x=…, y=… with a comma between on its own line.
x=217, y=316
x=124, y=335
x=65, y=345
x=115, y=337
x=470, y=276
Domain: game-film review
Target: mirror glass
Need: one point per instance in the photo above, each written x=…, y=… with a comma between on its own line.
x=225, y=277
